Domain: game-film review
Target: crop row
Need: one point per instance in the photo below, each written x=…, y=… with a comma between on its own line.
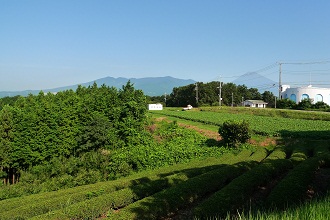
x=240, y=189
x=188, y=192
x=99, y=205
x=259, y=124
x=124, y=190
x=234, y=194
x=81, y=192
x=291, y=189
x=230, y=180
x=92, y=208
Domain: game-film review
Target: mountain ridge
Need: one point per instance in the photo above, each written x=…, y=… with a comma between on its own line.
x=152, y=86
x=156, y=86
x=255, y=80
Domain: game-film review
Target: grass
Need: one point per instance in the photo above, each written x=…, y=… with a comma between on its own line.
x=314, y=209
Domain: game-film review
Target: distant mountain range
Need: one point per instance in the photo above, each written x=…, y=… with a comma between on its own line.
x=157, y=86
x=152, y=86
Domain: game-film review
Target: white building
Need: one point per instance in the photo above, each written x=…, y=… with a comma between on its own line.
x=155, y=106
x=255, y=103
x=309, y=92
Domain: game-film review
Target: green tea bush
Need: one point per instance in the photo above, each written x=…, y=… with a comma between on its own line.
x=99, y=202
x=180, y=196
x=234, y=132
x=237, y=192
x=60, y=201
x=292, y=189
x=167, y=201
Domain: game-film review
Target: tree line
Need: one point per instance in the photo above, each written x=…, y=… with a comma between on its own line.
x=37, y=128
x=207, y=94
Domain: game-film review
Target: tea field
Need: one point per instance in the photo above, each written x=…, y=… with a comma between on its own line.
x=260, y=124
x=253, y=183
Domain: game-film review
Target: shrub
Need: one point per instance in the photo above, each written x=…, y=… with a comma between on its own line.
x=234, y=132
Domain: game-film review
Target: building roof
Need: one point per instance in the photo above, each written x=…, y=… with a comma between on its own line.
x=256, y=101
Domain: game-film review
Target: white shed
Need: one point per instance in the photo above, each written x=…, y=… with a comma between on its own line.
x=255, y=103
x=157, y=106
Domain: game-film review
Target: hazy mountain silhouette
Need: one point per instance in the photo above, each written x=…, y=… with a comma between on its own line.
x=152, y=86
x=255, y=80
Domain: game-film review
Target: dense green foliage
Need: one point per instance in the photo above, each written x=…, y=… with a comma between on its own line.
x=8, y=101
x=83, y=137
x=208, y=95
x=36, y=129
x=234, y=132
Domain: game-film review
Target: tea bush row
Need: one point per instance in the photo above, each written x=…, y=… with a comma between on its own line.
x=174, y=198
x=56, y=199
x=237, y=192
x=97, y=206
x=292, y=189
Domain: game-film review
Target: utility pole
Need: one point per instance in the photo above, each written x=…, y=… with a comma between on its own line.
x=220, y=93
x=196, y=88
x=232, y=99
x=165, y=98
x=280, y=81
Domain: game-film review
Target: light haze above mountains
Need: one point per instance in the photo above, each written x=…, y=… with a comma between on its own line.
x=157, y=86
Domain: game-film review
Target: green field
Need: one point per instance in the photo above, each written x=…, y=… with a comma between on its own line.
x=250, y=183
x=262, y=123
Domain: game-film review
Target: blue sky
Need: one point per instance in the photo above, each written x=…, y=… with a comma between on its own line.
x=47, y=44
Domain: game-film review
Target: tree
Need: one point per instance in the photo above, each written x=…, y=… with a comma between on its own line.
x=229, y=94
x=208, y=93
x=254, y=94
x=8, y=101
x=243, y=93
x=96, y=134
x=321, y=105
x=269, y=97
x=234, y=132
x=304, y=104
x=183, y=96
x=6, y=143
x=285, y=104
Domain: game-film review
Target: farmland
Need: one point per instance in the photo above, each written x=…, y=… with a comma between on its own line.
x=260, y=124
x=252, y=182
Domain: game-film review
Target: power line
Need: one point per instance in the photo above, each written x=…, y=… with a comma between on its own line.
x=305, y=63
x=294, y=63
x=271, y=66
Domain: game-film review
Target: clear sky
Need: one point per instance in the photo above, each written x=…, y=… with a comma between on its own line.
x=52, y=43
